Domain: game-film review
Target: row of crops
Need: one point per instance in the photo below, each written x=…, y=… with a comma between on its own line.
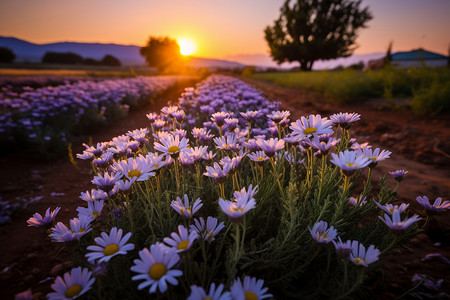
x=224, y=197
x=45, y=119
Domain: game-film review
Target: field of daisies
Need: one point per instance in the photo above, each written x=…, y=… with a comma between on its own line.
x=223, y=196
x=47, y=118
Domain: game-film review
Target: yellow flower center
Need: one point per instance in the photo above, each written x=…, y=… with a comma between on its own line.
x=373, y=158
x=235, y=209
x=82, y=230
x=250, y=296
x=187, y=209
x=73, y=290
x=183, y=245
x=134, y=173
x=110, y=249
x=157, y=271
x=351, y=165
x=260, y=158
x=95, y=214
x=391, y=210
x=322, y=236
x=310, y=130
x=173, y=149
x=359, y=260
x=156, y=166
x=207, y=299
x=209, y=233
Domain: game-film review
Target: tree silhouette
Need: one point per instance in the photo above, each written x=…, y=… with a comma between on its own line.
x=310, y=30
x=67, y=58
x=162, y=53
x=109, y=60
x=388, y=58
x=6, y=55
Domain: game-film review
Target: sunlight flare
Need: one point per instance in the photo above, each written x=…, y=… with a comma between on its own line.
x=187, y=46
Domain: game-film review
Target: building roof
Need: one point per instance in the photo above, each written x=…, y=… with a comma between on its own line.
x=418, y=54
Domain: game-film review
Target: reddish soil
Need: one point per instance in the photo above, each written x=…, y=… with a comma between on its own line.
x=420, y=145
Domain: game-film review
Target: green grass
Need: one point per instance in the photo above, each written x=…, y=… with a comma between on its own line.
x=428, y=88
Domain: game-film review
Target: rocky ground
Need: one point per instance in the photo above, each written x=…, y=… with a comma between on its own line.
x=420, y=145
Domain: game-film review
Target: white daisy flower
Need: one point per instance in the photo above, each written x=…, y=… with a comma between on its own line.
x=345, y=120
x=123, y=185
x=438, y=205
x=251, y=288
x=307, y=127
x=349, y=161
x=38, y=220
x=198, y=293
x=138, y=168
x=390, y=208
x=278, y=116
x=209, y=230
x=394, y=221
x=270, y=146
x=107, y=181
x=155, y=268
x=171, y=145
x=236, y=211
x=74, y=284
x=321, y=233
x=93, y=210
x=109, y=246
x=184, y=209
x=78, y=228
x=374, y=155
x=182, y=240
x=93, y=195
x=361, y=257
x=259, y=157
x=158, y=161
x=217, y=173
x=228, y=142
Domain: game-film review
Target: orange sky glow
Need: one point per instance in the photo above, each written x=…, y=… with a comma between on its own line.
x=219, y=29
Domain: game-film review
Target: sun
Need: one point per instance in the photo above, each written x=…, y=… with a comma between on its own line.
x=187, y=46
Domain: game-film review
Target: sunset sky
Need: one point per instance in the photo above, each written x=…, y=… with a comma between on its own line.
x=219, y=28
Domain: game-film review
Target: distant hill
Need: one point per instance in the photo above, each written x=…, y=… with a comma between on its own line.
x=127, y=54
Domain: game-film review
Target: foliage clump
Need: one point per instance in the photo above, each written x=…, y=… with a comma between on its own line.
x=307, y=31
x=239, y=194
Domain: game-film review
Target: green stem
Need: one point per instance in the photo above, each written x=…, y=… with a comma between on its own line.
x=197, y=167
x=367, y=184
x=279, y=131
x=278, y=177
x=249, y=130
x=322, y=172
x=222, y=190
x=175, y=163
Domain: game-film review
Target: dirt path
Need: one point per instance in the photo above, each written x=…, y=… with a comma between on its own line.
x=29, y=259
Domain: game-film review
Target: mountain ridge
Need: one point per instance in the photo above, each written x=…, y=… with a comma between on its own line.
x=129, y=55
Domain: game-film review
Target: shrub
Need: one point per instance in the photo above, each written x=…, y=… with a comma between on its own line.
x=6, y=55
x=109, y=60
x=67, y=58
x=290, y=202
